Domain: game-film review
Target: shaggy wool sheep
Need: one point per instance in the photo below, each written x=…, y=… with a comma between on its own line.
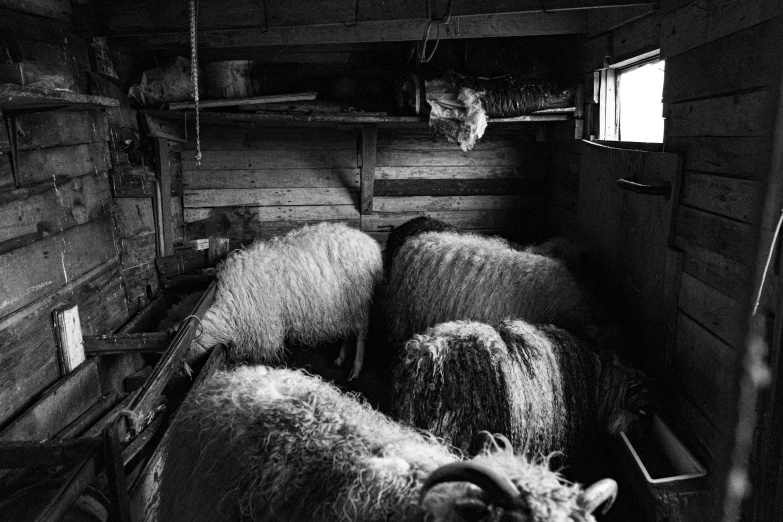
x=440, y=276
x=541, y=386
x=400, y=234
x=312, y=285
x=279, y=445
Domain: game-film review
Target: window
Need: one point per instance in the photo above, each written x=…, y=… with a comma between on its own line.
x=630, y=100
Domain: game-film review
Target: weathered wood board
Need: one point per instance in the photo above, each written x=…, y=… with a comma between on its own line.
x=69, y=161
x=271, y=178
x=59, y=128
x=629, y=234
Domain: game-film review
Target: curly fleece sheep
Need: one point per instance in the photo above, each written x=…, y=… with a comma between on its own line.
x=541, y=386
x=278, y=445
x=313, y=284
x=440, y=276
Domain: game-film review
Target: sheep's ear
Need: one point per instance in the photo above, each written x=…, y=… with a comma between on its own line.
x=471, y=509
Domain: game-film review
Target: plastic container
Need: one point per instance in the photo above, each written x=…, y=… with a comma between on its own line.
x=231, y=79
x=668, y=480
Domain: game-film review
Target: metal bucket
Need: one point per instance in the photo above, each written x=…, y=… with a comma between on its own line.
x=231, y=79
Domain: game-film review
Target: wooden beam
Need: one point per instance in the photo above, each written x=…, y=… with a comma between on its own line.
x=218, y=250
x=148, y=342
x=369, y=157
x=143, y=403
x=46, y=454
x=470, y=26
x=181, y=263
x=163, y=174
x=91, y=416
x=159, y=128
x=233, y=102
x=115, y=475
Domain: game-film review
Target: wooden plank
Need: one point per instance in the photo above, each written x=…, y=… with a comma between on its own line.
x=134, y=217
x=422, y=140
x=636, y=37
x=54, y=504
x=59, y=406
x=58, y=128
x=113, y=344
x=166, y=129
x=746, y=114
x=163, y=175
x=745, y=157
x=271, y=178
x=233, y=102
x=30, y=27
x=138, y=251
x=458, y=187
x=241, y=224
x=144, y=492
x=726, y=275
x=472, y=26
x=569, y=161
x=480, y=172
x=70, y=161
x=702, y=365
x=46, y=454
x=91, y=416
x=514, y=156
x=6, y=173
x=692, y=26
x=220, y=136
x=727, y=237
x=122, y=117
x=19, y=97
x=144, y=401
x=434, y=204
x=58, y=9
x=181, y=263
x=272, y=159
x=46, y=265
x=28, y=359
x=750, y=55
x=141, y=442
x=218, y=250
x=564, y=179
x=288, y=213
x=471, y=219
x=564, y=198
x=53, y=208
x=70, y=345
x=115, y=475
x=269, y=197
x=369, y=160
x=735, y=198
x=720, y=314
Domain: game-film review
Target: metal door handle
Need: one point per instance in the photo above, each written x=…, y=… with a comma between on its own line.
x=664, y=189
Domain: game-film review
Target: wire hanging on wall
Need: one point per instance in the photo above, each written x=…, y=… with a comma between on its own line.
x=194, y=74
x=421, y=54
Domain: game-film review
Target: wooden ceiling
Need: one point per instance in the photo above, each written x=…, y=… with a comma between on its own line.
x=161, y=24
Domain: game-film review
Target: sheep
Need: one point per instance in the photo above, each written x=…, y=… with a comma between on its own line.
x=280, y=445
x=540, y=385
x=443, y=276
x=400, y=234
x=314, y=284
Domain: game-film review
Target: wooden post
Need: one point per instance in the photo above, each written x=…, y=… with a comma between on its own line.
x=163, y=175
x=579, y=112
x=218, y=250
x=115, y=475
x=369, y=151
x=70, y=345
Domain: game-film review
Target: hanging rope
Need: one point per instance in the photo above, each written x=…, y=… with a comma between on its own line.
x=422, y=46
x=194, y=75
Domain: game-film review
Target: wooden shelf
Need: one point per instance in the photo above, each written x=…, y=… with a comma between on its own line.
x=16, y=97
x=341, y=118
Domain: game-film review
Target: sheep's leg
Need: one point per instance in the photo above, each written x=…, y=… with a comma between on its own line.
x=358, y=360
x=343, y=353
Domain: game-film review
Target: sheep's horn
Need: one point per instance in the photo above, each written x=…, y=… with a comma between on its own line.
x=602, y=491
x=498, y=486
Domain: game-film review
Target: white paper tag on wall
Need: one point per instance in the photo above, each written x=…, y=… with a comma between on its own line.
x=69, y=338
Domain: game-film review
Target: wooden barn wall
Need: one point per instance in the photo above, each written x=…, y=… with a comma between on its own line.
x=720, y=96
x=256, y=182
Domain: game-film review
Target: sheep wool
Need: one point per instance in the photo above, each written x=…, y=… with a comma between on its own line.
x=314, y=284
x=279, y=445
x=540, y=386
x=441, y=276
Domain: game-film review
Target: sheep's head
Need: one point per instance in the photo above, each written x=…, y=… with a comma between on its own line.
x=500, y=487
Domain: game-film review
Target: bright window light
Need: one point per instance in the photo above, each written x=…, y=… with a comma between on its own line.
x=639, y=92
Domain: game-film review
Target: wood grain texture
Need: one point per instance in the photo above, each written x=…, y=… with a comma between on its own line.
x=215, y=137
x=725, y=275
x=272, y=159
x=70, y=161
x=533, y=168
x=280, y=213
x=720, y=314
x=128, y=181
x=369, y=160
x=163, y=175
x=725, y=236
x=743, y=157
x=692, y=25
x=471, y=219
x=58, y=128
x=458, y=187
x=269, y=197
x=113, y=344
x=134, y=217
x=54, y=207
x=435, y=203
x=750, y=55
x=57, y=9
x=49, y=264
x=271, y=178
x=58, y=407
x=747, y=114
x=513, y=156
x=735, y=198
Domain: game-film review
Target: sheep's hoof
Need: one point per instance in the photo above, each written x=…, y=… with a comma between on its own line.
x=339, y=361
x=354, y=374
